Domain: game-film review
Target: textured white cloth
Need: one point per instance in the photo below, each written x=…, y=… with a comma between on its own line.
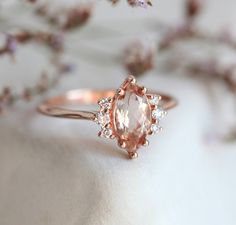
x=58, y=172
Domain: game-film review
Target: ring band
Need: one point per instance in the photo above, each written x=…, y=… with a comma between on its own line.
x=53, y=106
x=128, y=114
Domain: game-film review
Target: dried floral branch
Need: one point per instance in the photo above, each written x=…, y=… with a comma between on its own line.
x=66, y=19
x=211, y=66
x=139, y=60
x=142, y=3
x=8, y=97
x=54, y=42
x=213, y=69
x=135, y=3
x=139, y=57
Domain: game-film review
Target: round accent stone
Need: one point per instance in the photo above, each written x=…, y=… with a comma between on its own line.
x=158, y=113
x=155, y=100
x=103, y=118
x=105, y=103
x=155, y=128
x=106, y=132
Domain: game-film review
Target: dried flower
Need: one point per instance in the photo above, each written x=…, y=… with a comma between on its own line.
x=193, y=8
x=139, y=57
x=6, y=93
x=142, y=3
x=174, y=34
x=27, y=95
x=77, y=16
x=6, y=96
x=66, y=19
x=55, y=43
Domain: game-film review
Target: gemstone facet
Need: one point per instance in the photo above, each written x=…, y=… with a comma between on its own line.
x=132, y=117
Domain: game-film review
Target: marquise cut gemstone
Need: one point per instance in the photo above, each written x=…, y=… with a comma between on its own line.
x=132, y=118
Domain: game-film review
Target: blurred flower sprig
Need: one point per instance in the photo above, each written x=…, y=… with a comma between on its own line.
x=54, y=42
x=65, y=19
x=139, y=60
x=135, y=3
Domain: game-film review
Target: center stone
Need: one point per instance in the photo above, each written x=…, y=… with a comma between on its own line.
x=132, y=118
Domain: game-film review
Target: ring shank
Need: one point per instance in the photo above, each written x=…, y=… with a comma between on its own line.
x=54, y=106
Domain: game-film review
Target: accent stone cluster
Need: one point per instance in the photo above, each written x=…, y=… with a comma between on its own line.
x=157, y=113
x=103, y=117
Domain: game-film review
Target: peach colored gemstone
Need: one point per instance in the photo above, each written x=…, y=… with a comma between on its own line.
x=132, y=118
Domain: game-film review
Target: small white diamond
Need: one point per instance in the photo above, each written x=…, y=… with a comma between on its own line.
x=105, y=103
x=158, y=113
x=155, y=128
x=155, y=100
x=103, y=118
x=106, y=132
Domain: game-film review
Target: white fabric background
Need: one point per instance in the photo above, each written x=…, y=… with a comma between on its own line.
x=57, y=172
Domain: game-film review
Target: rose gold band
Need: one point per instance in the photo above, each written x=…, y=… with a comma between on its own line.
x=129, y=114
x=54, y=106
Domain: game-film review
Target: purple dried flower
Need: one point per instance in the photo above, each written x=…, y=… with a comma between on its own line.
x=139, y=57
x=11, y=44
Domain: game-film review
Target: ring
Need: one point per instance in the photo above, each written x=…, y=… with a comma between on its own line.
x=128, y=114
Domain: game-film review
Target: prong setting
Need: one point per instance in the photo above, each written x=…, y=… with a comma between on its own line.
x=146, y=143
x=133, y=155
x=122, y=144
x=121, y=92
x=143, y=90
x=131, y=79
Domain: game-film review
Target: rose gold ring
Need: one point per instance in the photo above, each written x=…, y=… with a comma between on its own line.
x=129, y=114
